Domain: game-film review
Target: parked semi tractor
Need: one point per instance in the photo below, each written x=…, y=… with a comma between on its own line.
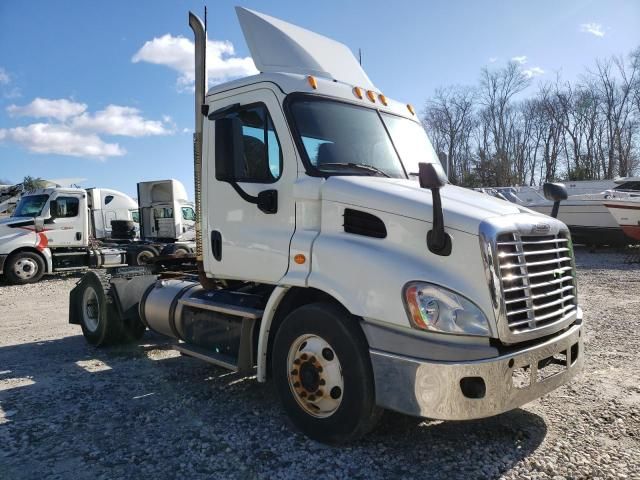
x=334, y=258
x=65, y=229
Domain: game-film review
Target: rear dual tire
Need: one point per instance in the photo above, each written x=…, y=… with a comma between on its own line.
x=322, y=372
x=142, y=255
x=99, y=318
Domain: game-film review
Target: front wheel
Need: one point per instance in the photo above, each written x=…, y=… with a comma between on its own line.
x=24, y=267
x=322, y=371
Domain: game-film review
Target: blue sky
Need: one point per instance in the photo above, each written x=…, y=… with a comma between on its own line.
x=116, y=113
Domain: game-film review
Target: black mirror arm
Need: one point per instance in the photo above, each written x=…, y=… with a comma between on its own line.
x=438, y=235
x=438, y=241
x=267, y=200
x=555, y=209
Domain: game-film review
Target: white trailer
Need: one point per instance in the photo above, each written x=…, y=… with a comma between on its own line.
x=335, y=260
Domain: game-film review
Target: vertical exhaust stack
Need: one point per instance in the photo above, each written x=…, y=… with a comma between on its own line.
x=200, y=37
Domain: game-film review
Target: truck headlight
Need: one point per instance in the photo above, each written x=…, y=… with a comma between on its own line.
x=435, y=308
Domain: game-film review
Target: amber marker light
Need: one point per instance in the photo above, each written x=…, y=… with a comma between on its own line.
x=357, y=91
x=383, y=100
x=312, y=82
x=371, y=95
x=410, y=108
x=414, y=309
x=299, y=259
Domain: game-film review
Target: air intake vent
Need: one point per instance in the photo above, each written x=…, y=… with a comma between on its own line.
x=362, y=223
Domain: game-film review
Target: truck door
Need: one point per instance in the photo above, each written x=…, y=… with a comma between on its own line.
x=244, y=241
x=68, y=222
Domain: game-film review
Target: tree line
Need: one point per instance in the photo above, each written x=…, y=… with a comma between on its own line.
x=489, y=135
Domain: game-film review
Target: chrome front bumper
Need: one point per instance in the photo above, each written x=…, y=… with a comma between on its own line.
x=475, y=389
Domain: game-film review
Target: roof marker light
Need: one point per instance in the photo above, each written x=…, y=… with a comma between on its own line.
x=383, y=100
x=371, y=95
x=312, y=82
x=411, y=109
x=357, y=91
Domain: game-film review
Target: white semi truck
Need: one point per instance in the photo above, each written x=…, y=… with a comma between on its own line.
x=64, y=229
x=165, y=211
x=334, y=258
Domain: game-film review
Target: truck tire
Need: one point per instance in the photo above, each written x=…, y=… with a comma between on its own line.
x=141, y=255
x=100, y=321
x=323, y=375
x=175, y=250
x=24, y=267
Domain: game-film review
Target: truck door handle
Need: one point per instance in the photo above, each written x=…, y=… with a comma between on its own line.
x=78, y=235
x=216, y=244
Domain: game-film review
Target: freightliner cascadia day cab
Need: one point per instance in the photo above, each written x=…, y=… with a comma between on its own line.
x=334, y=258
x=65, y=229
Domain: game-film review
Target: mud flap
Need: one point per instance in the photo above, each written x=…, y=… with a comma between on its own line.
x=74, y=302
x=127, y=293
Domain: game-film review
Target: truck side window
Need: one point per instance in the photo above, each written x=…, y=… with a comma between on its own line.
x=107, y=199
x=163, y=212
x=188, y=213
x=260, y=157
x=67, y=207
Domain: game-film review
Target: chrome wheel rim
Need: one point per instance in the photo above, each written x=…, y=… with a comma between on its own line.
x=315, y=377
x=25, y=268
x=90, y=309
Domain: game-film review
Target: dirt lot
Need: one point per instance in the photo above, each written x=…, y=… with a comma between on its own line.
x=70, y=411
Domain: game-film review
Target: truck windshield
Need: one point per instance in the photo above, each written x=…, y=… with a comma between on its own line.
x=341, y=138
x=30, y=206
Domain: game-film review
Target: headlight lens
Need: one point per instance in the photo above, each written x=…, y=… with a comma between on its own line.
x=435, y=308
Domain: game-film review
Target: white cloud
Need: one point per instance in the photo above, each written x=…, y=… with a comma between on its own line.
x=60, y=139
x=533, y=72
x=4, y=77
x=493, y=59
x=120, y=120
x=592, y=28
x=74, y=131
x=521, y=59
x=177, y=53
x=60, y=109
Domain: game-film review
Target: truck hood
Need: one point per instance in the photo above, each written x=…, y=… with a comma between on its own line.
x=10, y=227
x=463, y=209
x=14, y=222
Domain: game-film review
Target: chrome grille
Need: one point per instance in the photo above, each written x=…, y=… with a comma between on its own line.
x=537, y=278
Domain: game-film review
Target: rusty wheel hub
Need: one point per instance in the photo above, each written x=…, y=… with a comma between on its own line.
x=315, y=375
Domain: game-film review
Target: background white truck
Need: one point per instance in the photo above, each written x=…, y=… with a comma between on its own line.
x=64, y=229
x=334, y=258
x=165, y=211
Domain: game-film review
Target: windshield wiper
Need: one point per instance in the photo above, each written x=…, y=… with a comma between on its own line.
x=361, y=166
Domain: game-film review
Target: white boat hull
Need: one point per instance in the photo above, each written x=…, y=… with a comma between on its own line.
x=589, y=221
x=627, y=215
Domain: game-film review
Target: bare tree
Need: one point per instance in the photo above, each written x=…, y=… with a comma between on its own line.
x=497, y=89
x=449, y=118
x=583, y=130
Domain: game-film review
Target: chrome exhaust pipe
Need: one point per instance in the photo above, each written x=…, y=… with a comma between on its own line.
x=200, y=37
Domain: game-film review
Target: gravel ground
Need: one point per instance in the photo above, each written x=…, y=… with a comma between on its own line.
x=71, y=411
